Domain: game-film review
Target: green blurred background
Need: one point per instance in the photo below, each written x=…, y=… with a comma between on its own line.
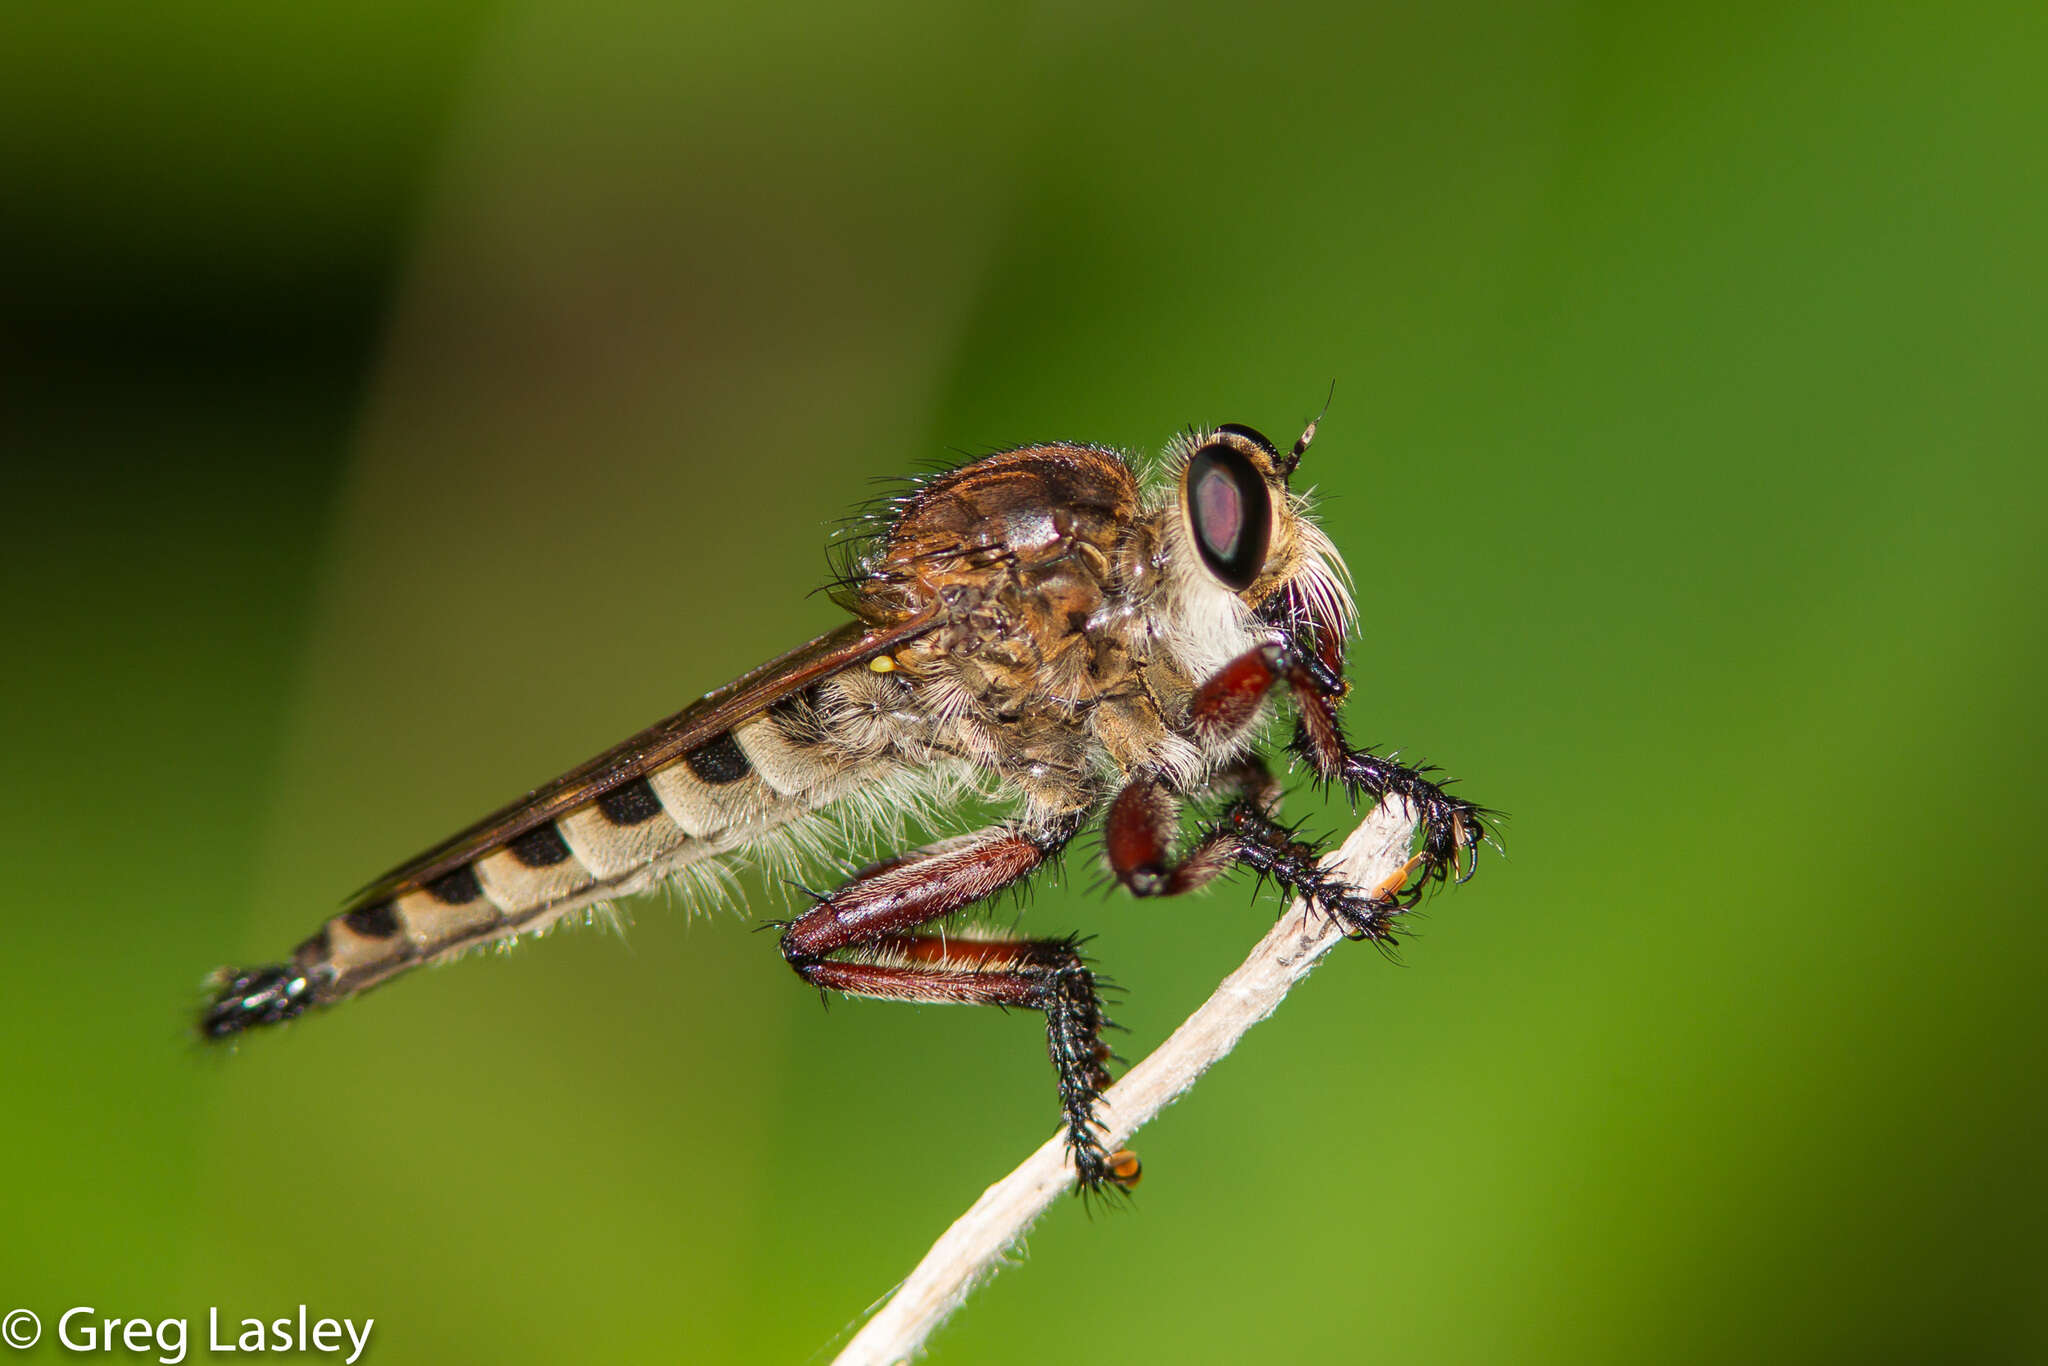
x=404, y=401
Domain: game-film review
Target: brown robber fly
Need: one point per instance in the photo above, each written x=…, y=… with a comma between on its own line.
x=1041, y=626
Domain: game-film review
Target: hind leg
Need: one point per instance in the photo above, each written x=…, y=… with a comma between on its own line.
x=859, y=940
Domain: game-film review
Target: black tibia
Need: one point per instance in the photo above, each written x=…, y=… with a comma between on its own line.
x=1258, y=841
x=867, y=922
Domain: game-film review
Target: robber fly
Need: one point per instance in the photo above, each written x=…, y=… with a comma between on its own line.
x=1038, y=625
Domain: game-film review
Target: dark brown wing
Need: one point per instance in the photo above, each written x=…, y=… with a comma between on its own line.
x=661, y=743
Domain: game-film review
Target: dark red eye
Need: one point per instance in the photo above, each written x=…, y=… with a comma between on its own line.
x=1232, y=514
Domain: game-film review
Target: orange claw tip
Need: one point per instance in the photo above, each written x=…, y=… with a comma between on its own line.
x=1397, y=879
x=1125, y=1169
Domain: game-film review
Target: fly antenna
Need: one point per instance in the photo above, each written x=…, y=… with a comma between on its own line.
x=1293, y=460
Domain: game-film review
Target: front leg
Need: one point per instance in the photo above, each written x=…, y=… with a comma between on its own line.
x=1309, y=661
x=1452, y=828
x=858, y=940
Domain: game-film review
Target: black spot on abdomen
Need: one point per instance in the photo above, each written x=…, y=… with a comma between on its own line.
x=540, y=847
x=719, y=760
x=631, y=804
x=456, y=888
x=373, y=922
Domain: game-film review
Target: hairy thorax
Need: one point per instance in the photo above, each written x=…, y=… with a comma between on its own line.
x=1042, y=566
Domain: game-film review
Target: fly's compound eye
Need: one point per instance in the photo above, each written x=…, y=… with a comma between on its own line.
x=1232, y=514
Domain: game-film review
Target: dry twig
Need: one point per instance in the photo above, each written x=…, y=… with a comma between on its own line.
x=974, y=1247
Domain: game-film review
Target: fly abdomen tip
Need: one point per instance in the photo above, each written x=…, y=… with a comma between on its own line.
x=255, y=996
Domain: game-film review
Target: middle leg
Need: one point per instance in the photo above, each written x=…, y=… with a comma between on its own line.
x=1144, y=820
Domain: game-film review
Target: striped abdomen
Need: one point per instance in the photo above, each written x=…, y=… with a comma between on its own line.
x=726, y=794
